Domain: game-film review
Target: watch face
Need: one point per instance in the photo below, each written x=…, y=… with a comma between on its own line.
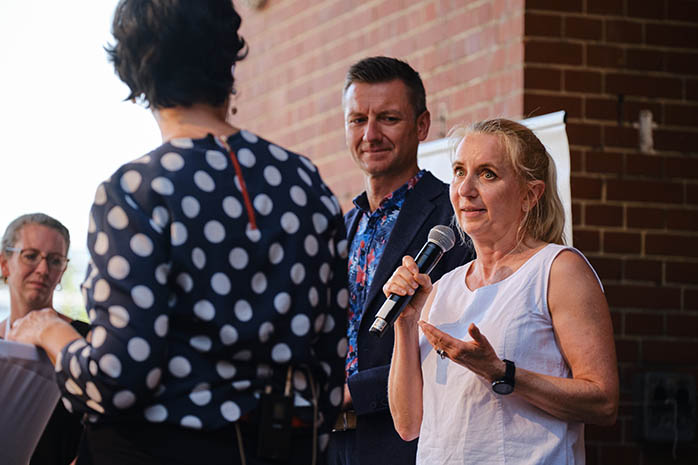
x=502, y=387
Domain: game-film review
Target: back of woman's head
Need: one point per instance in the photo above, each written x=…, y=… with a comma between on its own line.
x=11, y=236
x=176, y=52
x=545, y=221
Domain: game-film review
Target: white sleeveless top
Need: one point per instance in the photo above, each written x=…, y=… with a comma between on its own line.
x=464, y=421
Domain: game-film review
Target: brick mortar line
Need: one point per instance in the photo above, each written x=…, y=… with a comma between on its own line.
x=635, y=203
x=667, y=312
x=629, y=98
x=615, y=148
x=654, y=338
x=612, y=17
x=604, y=42
x=605, y=123
x=624, y=203
x=607, y=70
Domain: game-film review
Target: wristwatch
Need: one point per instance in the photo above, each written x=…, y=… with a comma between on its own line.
x=505, y=385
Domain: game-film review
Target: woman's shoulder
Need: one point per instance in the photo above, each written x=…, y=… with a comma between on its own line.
x=571, y=266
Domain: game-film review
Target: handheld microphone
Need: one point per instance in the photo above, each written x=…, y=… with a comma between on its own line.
x=441, y=239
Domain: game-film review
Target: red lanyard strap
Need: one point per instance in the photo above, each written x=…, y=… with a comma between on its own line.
x=243, y=186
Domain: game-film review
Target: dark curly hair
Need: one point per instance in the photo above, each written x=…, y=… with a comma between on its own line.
x=176, y=52
x=378, y=69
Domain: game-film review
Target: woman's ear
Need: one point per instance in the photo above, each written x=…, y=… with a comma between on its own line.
x=533, y=194
x=4, y=267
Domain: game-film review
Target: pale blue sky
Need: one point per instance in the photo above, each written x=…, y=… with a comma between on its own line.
x=64, y=125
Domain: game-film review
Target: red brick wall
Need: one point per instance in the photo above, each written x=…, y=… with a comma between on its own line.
x=469, y=54
x=635, y=214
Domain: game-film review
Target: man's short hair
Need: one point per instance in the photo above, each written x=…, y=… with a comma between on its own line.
x=381, y=69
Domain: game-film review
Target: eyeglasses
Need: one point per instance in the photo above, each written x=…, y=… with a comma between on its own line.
x=32, y=257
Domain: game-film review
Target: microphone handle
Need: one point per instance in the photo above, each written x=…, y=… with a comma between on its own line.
x=426, y=260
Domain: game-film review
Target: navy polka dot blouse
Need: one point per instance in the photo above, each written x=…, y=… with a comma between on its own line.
x=199, y=296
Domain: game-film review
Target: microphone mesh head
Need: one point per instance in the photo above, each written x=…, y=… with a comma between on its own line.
x=442, y=236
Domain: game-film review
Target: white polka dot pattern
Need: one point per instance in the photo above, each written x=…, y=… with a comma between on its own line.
x=243, y=310
x=190, y=206
x=216, y=160
x=118, y=316
x=198, y=257
x=185, y=282
x=298, y=196
x=190, y=303
x=281, y=353
x=172, y=161
x=278, y=153
x=204, y=310
x=282, y=302
x=204, y=181
x=130, y=181
x=230, y=411
x=272, y=175
x=153, y=378
x=190, y=421
x=162, y=186
x=179, y=233
x=160, y=219
x=156, y=413
x=179, y=366
x=226, y=370
x=263, y=204
x=138, y=349
x=117, y=218
x=246, y=158
x=232, y=207
x=118, y=267
x=266, y=329
x=201, y=395
x=214, y=232
x=124, y=399
x=201, y=343
x=141, y=245
x=161, y=325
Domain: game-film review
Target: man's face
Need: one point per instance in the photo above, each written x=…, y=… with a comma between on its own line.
x=381, y=130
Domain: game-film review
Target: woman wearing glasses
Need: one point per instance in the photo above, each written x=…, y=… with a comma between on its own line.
x=33, y=260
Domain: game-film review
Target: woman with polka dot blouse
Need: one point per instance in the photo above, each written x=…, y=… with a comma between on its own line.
x=217, y=271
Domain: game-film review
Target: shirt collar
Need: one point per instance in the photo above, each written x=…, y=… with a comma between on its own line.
x=392, y=199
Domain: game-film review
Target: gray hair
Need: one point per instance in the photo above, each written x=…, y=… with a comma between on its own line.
x=11, y=236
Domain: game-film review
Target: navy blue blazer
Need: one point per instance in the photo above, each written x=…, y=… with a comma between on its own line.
x=426, y=206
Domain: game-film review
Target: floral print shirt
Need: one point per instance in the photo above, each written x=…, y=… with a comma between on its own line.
x=372, y=234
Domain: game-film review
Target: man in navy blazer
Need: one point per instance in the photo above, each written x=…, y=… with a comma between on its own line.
x=385, y=119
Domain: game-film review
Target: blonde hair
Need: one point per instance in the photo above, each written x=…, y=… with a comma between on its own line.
x=545, y=221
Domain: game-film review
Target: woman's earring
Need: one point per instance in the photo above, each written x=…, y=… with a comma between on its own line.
x=59, y=287
x=233, y=103
x=233, y=107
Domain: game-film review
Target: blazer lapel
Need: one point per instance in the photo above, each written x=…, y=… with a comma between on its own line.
x=414, y=213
